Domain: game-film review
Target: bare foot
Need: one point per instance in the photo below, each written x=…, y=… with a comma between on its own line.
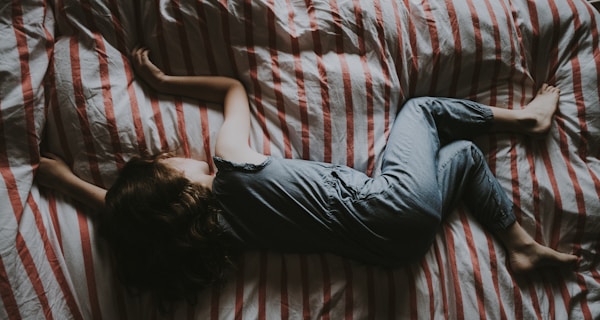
x=532, y=256
x=525, y=254
x=536, y=118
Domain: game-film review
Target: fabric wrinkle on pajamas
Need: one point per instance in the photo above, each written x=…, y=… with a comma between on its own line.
x=427, y=168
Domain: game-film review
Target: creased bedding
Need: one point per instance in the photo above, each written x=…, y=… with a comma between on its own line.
x=325, y=80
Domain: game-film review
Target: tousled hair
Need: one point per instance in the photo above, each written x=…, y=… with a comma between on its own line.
x=163, y=232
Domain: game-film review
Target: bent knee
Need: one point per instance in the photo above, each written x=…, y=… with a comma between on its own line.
x=464, y=147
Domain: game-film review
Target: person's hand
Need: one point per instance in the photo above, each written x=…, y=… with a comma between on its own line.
x=146, y=69
x=53, y=172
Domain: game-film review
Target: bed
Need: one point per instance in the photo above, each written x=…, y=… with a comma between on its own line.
x=325, y=80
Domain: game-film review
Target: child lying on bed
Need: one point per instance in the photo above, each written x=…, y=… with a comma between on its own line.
x=174, y=228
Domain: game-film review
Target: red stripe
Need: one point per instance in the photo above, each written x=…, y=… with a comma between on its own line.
x=133, y=102
x=474, y=85
x=185, y=146
x=595, y=40
x=414, y=63
x=442, y=279
x=535, y=194
x=368, y=87
x=135, y=109
x=184, y=42
x=493, y=264
x=88, y=264
x=206, y=136
x=56, y=113
x=182, y=132
x=534, y=300
x=348, y=100
x=511, y=21
x=582, y=151
x=212, y=65
x=498, y=49
x=558, y=211
x=460, y=312
x=299, y=73
x=535, y=32
x=9, y=178
x=434, y=59
x=111, y=123
x=160, y=34
x=325, y=105
x=12, y=192
x=78, y=92
x=9, y=303
x=277, y=91
x=34, y=276
x=158, y=120
x=477, y=282
x=53, y=211
x=429, y=280
x=253, y=72
x=553, y=54
x=52, y=260
x=457, y=49
x=564, y=147
x=26, y=82
x=387, y=90
x=400, y=50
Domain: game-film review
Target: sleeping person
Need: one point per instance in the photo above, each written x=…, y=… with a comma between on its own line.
x=174, y=227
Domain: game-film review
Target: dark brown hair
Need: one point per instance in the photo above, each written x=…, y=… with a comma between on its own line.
x=163, y=232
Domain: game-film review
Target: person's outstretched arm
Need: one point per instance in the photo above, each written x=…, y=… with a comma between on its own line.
x=53, y=173
x=232, y=139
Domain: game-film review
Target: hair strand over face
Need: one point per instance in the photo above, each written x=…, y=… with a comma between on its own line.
x=164, y=233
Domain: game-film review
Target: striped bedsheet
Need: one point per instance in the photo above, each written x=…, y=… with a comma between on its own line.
x=325, y=79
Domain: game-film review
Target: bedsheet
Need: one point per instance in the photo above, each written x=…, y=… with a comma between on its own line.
x=325, y=79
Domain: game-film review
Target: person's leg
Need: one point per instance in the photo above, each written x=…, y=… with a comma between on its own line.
x=464, y=175
x=535, y=118
x=424, y=124
x=410, y=163
x=526, y=255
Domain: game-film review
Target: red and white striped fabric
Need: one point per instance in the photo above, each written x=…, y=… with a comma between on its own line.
x=325, y=79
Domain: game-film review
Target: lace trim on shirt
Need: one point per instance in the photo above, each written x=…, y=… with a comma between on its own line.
x=226, y=165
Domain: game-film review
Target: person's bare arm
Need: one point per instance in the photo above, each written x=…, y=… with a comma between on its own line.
x=232, y=139
x=55, y=174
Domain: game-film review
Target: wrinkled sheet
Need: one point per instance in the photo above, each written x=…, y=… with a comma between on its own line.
x=325, y=80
